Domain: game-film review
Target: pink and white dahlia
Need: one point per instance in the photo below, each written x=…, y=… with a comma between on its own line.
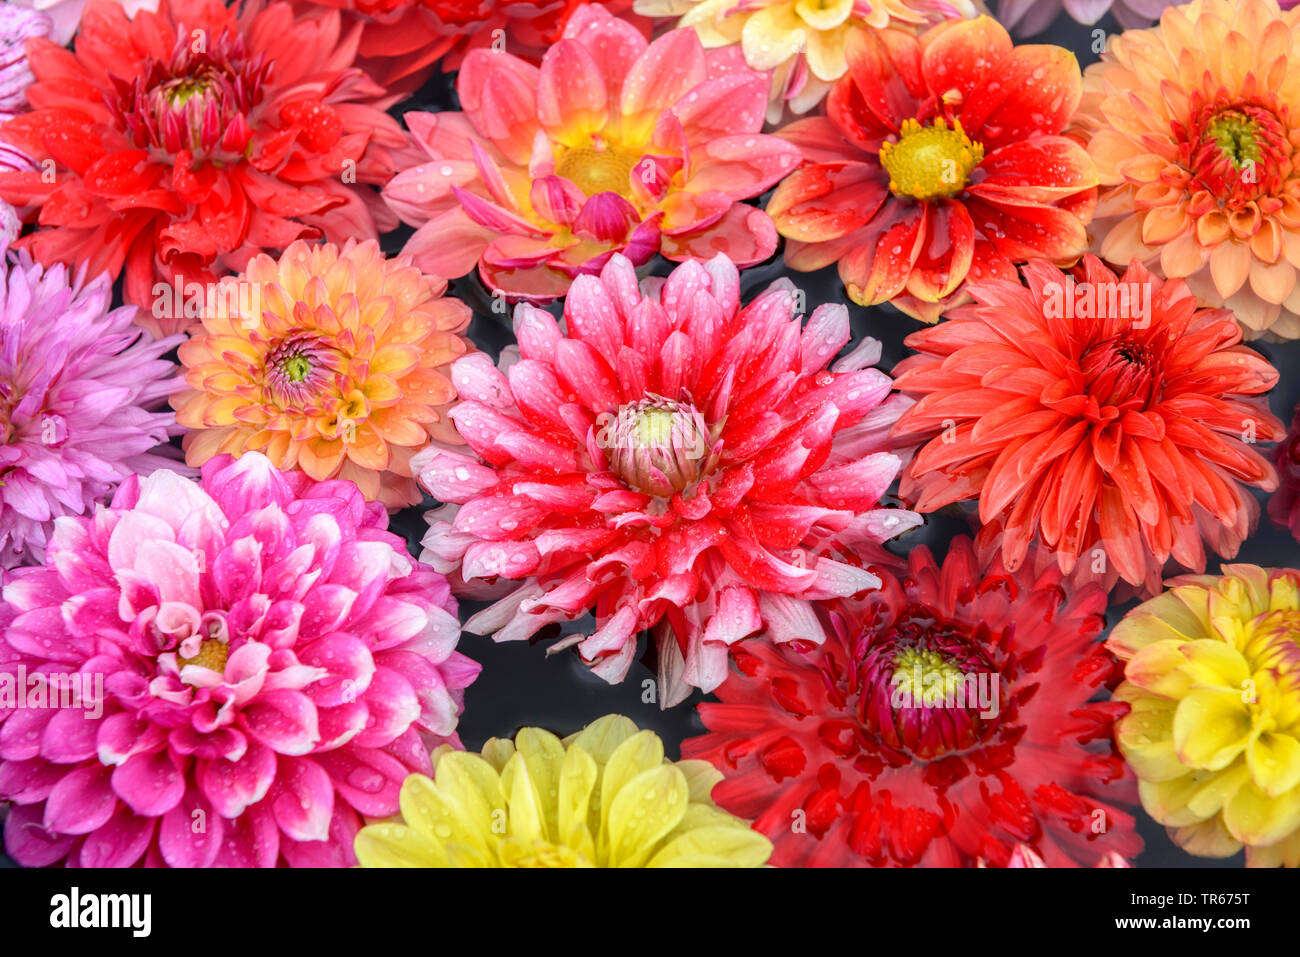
x=257, y=653
x=17, y=25
x=77, y=383
x=673, y=462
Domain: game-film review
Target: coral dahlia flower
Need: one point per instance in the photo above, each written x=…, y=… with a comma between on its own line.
x=258, y=653
x=329, y=360
x=613, y=145
x=673, y=462
x=1107, y=418
x=618, y=803
x=187, y=141
x=78, y=382
x=803, y=44
x=1195, y=129
x=1213, y=731
x=1284, y=505
x=938, y=161
x=945, y=722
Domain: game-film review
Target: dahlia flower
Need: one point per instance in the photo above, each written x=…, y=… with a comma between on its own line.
x=604, y=797
x=1107, y=418
x=17, y=26
x=1194, y=129
x=188, y=140
x=614, y=145
x=1213, y=731
x=938, y=161
x=77, y=381
x=1029, y=17
x=65, y=15
x=673, y=462
x=1284, y=505
x=945, y=721
x=403, y=40
x=329, y=360
x=267, y=661
x=802, y=44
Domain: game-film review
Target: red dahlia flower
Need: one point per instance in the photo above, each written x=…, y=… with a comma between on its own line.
x=1108, y=418
x=939, y=161
x=403, y=40
x=673, y=462
x=945, y=722
x=187, y=141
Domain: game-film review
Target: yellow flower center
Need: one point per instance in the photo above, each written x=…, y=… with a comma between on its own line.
x=926, y=675
x=930, y=162
x=212, y=654
x=542, y=854
x=598, y=171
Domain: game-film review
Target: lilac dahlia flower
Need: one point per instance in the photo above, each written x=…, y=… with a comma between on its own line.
x=257, y=655
x=1029, y=17
x=77, y=383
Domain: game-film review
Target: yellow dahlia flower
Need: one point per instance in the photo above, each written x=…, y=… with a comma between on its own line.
x=1194, y=126
x=330, y=360
x=1213, y=731
x=604, y=797
x=801, y=41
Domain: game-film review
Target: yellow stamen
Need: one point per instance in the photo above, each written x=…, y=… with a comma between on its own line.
x=930, y=162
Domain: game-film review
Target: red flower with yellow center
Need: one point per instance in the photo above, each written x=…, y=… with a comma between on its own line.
x=186, y=141
x=939, y=161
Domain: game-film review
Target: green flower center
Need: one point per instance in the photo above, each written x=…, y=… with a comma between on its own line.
x=296, y=368
x=926, y=675
x=1236, y=135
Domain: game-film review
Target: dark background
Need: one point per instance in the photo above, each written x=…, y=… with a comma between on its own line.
x=519, y=686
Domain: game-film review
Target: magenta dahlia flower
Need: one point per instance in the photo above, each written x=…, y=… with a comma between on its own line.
x=260, y=664
x=77, y=382
x=673, y=462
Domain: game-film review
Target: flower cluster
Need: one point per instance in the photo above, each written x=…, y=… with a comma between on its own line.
x=582, y=301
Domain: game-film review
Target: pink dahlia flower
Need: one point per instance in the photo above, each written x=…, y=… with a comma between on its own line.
x=673, y=462
x=77, y=383
x=613, y=145
x=258, y=656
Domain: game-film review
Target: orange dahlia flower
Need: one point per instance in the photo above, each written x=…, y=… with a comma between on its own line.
x=938, y=161
x=330, y=360
x=1195, y=129
x=1107, y=417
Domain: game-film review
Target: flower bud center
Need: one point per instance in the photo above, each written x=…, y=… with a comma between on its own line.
x=658, y=446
